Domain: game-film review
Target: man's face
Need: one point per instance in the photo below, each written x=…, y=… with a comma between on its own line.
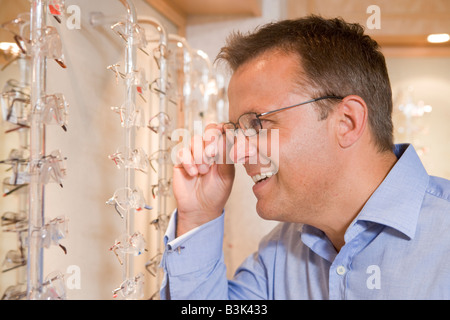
x=303, y=169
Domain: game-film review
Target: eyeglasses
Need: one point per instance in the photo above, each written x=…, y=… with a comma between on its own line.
x=135, y=78
x=18, y=159
x=152, y=265
x=134, y=244
x=161, y=222
x=52, y=168
x=134, y=118
x=156, y=87
x=54, y=231
x=15, y=103
x=14, y=221
x=250, y=123
x=50, y=46
x=160, y=120
x=158, y=158
x=139, y=38
x=125, y=199
x=54, y=287
x=16, y=292
x=48, y=43
x=11, y=187
x=16, y=258
x=131, y=288
x=163, y=188
x=53, y=109
x=127, y=158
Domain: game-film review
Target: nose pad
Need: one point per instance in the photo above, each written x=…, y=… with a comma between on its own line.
x=244, y=149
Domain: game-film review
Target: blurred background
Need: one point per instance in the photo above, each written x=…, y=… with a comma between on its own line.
x=418, y=65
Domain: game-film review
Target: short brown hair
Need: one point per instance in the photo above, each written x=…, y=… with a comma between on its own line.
x=337, y=58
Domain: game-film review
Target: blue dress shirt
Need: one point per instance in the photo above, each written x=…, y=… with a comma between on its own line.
x=398, y=247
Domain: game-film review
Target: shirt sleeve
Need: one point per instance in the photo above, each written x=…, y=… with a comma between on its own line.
x=193, y=263
x=194, y=266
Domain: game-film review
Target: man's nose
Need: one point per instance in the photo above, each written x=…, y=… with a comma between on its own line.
x=245, y=149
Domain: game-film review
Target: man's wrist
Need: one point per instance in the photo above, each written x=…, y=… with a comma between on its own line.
x=186, y=221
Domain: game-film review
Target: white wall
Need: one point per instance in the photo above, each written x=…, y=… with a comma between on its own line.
x=429, y=78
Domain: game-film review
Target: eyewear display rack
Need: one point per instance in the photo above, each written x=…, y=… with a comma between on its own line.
x=44, y=43
x=180, y=94
x=192, y=98
x=130, y=198
x=16, y=220
x=30, y=109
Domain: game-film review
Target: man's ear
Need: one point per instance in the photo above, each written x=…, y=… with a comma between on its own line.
x=351, y=116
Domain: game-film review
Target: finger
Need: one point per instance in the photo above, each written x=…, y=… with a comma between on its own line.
x=211, y=138
x=186, y=161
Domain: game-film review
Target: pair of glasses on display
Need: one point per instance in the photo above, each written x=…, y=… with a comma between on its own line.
x=163, y=188
x=160, y=52
x=10, y=187
x=156, y=86
x=128, y=244
x=53, y=109
x=135, y=78
x=161, y=222
x=15, y=103
x=16, y=258
x=14, y=221
x=51, y=168
x=52, y=288
x=131, y=288
x=18, y=160
x=135, y=159
x=16, y=109
x=48, y=44
x=152, y=265
x=161, y=122
x=130, y=114
x=136, y=31
x=53, y=232
x=125, y=199
x=15, y=292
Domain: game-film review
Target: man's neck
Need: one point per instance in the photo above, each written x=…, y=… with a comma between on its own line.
x=362, y=179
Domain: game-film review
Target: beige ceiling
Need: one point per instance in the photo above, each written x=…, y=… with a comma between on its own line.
x=405, y=24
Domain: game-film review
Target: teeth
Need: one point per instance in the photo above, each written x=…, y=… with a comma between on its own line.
x=262, y=176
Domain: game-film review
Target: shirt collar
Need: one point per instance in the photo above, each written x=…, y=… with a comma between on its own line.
x=396, y=203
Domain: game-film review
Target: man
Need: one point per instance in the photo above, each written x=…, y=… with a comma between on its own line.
x=360, y=217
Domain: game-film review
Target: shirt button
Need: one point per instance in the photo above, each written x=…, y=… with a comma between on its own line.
x=340, y=270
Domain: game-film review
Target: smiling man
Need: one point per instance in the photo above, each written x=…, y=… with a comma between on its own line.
x=360, y=218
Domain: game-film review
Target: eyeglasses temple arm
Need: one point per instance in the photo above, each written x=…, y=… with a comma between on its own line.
x=299, y=104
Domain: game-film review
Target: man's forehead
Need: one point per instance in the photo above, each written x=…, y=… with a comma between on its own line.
x=262, y=83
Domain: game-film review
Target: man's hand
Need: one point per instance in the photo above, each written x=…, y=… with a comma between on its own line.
x=202, y=179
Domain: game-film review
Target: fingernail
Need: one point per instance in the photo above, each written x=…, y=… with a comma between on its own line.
x=193, y=171
x=203, y=168
x=210, y=150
